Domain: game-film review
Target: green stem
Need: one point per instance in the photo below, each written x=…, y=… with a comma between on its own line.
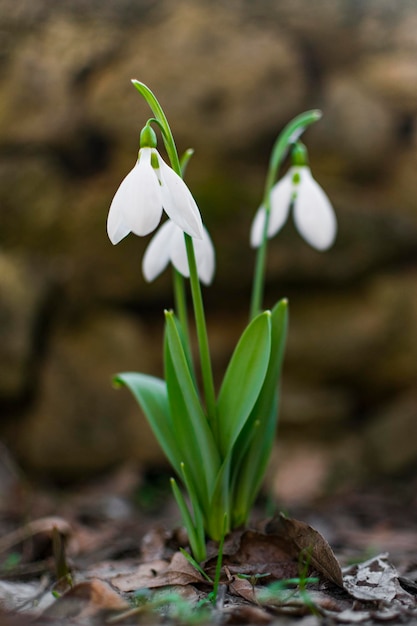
x=178, y=279
x=206, y=369
x=289, y=135
x=181, y=303
x=200, y=320
x=158, y=112
x=219, y=561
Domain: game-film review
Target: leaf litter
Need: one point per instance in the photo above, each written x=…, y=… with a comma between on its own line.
x=89, y=568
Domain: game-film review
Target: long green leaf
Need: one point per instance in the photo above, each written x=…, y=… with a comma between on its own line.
x=248, y=476
x=198, y=514
x=243, y=380
x=182, y=332
x=190, y=423
x=220, y=501
x=190, y=451
x=198, y=548
x=250, y=469
x=151, y=395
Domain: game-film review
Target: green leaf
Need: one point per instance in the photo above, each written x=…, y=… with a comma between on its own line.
x=220, y=501
x=151, y=394
x=243, y=380
x=193, y=433
x=198, y=548
x=198, y=514
x=196, y=565
x=258, y=436
x=182, y=332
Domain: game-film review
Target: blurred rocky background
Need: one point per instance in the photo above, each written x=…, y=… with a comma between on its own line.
x=230, y=74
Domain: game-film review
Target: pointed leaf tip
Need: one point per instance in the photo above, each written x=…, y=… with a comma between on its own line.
x=117, y=382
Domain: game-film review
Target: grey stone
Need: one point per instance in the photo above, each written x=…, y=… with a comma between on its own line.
x=80, y=424
x=229, y=75
x=23, y=297
x=391, y=445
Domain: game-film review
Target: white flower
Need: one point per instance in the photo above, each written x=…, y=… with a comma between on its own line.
x=168, y=245
x=313, y=214
x=150, y=187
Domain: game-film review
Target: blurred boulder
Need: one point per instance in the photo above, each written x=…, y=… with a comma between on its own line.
x=79, y=423
x=75, y=309
x=24, y=298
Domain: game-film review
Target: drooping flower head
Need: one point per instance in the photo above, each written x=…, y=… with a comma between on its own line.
x=168, y=245
x=149, y=188
x=313, y=214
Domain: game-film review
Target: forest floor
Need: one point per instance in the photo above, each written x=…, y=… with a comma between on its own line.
x=109, y=552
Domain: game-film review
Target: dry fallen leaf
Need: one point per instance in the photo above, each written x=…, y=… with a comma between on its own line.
x=252, y=552
x=247, y=614
x=242, y=587
x=301, y=538
x=159, y=574
x=86, y=600
x=44, y=526
x=33, y=596
x=375, y=579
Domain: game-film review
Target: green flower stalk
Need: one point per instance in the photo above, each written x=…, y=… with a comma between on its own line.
x=218, y=444
x=287, y=138
x=313, y=214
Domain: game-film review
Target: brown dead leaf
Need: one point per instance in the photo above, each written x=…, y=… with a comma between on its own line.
x=159, y=574
x=252, y=552
x=299, y=537
x=11, y=619
x=247, y=614
x=141, y=577
x=44, y=525
x=153, y=544
x=86, y=600
x=33, y=596
x=242, y=587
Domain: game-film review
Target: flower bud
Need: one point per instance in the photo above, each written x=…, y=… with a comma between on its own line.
x=148, y=137
x=299, y=155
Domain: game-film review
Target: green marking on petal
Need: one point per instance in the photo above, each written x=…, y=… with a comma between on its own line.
x=155, y=161
x=296, y=178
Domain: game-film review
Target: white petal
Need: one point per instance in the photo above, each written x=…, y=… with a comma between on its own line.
x=257, y=228
x=178, y=252
x=117, y=226
x=143, y=208
x=178, y=202
x=280, y=206
x=280, y=202
x=313, y=214
x=157, y=254
x=204, y=255
x=117, y=229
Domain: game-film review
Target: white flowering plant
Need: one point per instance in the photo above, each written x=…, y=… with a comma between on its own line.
x=219, y=444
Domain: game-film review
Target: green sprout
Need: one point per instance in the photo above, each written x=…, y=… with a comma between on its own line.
x=292, y=590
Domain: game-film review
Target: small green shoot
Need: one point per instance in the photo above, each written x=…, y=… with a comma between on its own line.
x=11, y=562
x=196, y=565
x=170, y=605
x=283, y=592
x=219, y=564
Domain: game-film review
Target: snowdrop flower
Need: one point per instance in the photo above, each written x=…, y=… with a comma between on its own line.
x=313, y=214
x=168, y=245
x=150, y=187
